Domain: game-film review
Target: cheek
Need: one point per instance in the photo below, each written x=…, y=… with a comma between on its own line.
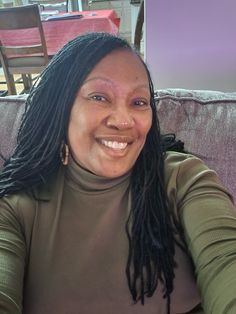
x=146, y=124
x=144, y=128
x=78, y=140
x=76, y=130
x=78, y=122
x=81, y=130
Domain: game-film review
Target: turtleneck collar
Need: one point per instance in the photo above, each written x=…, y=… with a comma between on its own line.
x=82, y=180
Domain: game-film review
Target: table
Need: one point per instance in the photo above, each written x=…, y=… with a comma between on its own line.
x=59, y=32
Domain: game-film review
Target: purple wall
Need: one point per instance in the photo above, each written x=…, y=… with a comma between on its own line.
x=191, y=43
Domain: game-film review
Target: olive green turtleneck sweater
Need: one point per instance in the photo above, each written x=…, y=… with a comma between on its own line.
x=72, y=247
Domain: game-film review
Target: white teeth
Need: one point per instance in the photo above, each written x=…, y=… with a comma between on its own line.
x=114, y=144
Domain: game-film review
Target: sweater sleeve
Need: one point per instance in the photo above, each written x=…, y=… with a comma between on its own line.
x=12, y=259
x=208, y=217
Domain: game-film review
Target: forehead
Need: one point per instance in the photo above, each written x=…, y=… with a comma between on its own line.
x=122, y=63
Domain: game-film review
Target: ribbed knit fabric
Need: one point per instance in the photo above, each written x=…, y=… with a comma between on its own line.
x=74, y=248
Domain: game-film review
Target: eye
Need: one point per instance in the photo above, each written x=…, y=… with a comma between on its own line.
x=98, y=98
x=142, y=103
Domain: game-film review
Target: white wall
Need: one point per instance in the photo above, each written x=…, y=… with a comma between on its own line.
x=191, y=43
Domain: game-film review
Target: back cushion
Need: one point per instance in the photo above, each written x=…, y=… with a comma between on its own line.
x=206, y=122
x=11, y=110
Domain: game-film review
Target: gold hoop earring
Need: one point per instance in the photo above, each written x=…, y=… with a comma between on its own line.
x=64, y=153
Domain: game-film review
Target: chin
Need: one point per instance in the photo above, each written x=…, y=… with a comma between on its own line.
x=112, y=173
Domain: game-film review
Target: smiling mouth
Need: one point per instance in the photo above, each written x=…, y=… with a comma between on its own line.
x=114, y=144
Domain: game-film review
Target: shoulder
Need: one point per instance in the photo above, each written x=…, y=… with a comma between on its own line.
x=186, y=174
x=184, y=166
x=17, y=210
x=20, y=209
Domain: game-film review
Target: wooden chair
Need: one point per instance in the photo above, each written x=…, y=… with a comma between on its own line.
x=139, y=27
x=22, y=59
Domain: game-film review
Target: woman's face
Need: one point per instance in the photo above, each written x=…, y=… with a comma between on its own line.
x=111, y=115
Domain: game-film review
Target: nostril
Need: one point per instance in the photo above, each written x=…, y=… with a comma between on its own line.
x=120, y=124
x=120, y=121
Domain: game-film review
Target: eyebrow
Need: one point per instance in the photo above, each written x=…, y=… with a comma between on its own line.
x=111, y=83
x=98, y=78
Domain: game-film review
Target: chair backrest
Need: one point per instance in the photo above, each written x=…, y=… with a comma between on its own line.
x=21, y=18
x=206, y=122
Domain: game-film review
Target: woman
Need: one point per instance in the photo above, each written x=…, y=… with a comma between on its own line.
x=95, y=213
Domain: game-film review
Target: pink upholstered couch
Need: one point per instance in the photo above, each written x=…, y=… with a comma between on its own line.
x=204, y=120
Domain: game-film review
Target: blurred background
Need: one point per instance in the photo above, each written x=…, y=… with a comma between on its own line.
x=191, y=43
x=186, y=43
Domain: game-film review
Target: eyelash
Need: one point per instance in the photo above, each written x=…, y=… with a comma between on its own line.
x=136, y=103
x=98, y=98
x=143, y=103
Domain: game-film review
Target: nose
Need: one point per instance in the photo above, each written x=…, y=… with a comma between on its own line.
x=120, y=119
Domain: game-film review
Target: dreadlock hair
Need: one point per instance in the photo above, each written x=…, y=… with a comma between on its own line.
x=37, y=156
x=150, y=227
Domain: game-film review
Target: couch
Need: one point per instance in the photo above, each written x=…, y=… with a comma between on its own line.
x=204, y=120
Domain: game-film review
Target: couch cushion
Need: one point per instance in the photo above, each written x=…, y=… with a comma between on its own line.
x=206, y=122
x=11, y=110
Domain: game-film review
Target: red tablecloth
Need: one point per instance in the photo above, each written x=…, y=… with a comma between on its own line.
x=59, y=32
